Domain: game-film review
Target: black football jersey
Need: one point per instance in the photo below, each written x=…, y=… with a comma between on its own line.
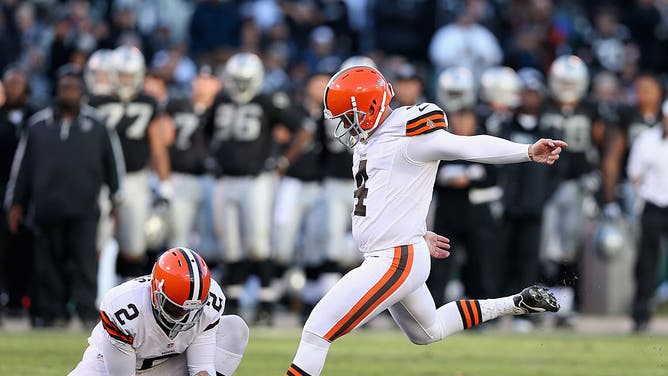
x=526, y=186
x=131, y=121
x=241, y=134
x=308, y=166
x=188, y=152
x=337, y=158
x=575, y=127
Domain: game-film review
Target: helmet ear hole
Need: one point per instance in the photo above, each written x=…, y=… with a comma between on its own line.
x=372, y=110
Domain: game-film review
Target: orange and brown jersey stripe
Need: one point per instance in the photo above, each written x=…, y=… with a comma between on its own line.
x=296, y=371
x=426, y=123
x=388, y=284
x=113, y=330
x=470, y=312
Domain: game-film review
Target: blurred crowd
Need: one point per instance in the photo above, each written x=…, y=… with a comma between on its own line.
x=213, y=148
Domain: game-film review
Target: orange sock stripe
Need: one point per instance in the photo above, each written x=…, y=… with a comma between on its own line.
x=388, y=284
x=464, y=312
x=476, y=305
x=296, y=371
x=475, y=313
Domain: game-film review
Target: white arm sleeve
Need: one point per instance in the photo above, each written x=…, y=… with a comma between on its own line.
x=442, y=145
x=119, y=358
x=201, y=353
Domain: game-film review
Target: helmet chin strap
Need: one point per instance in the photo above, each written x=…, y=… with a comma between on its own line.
x=363, y=133
x=381, y=111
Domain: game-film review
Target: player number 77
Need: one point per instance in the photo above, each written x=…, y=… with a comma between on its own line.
x=112, y=114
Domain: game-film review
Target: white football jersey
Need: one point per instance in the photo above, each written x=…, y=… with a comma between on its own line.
x=130, y=320
x=393, y=192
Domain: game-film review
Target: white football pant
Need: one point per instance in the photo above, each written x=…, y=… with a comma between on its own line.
x=295, y=209
x=184, y=208
x=133, y=213
x=242, y=215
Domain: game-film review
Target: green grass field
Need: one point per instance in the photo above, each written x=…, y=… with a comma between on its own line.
x=389, y=353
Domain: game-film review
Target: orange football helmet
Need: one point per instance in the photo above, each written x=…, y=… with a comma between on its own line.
x=357, y=96
x=180, y=284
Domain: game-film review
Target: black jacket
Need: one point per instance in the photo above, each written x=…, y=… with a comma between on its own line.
x=59, y=168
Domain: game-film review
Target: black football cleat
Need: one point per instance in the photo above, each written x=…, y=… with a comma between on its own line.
x=536, y=299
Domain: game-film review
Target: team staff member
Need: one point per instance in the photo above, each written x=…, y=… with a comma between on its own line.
x=648, y=171
x=60, y=165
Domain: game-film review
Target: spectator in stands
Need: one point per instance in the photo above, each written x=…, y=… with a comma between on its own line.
x=399, y=25
x=408, y=86
x=606, y=43
x=321, y=48
x=214, y=28
x=8, y=44
x=466, y=43
x=645, y=22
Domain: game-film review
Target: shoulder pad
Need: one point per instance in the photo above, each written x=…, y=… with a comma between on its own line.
x=120, y=309
x=424, y=118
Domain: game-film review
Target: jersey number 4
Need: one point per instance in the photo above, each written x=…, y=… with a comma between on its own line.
x=361, y=192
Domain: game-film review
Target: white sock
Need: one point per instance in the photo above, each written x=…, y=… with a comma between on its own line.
x=311, y=355
x=465, y=314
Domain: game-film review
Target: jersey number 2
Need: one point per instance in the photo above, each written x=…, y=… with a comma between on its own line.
x=129, y=315
x=361, y=192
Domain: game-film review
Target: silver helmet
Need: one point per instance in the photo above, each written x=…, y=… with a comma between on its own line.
x=501, y=85
x=243, y=76
x=130, y=70
x=610, y=238
x=568, y=79
x=456, y=89
x=99, y=72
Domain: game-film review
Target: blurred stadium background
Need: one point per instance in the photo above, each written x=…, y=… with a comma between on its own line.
x=186, y=44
